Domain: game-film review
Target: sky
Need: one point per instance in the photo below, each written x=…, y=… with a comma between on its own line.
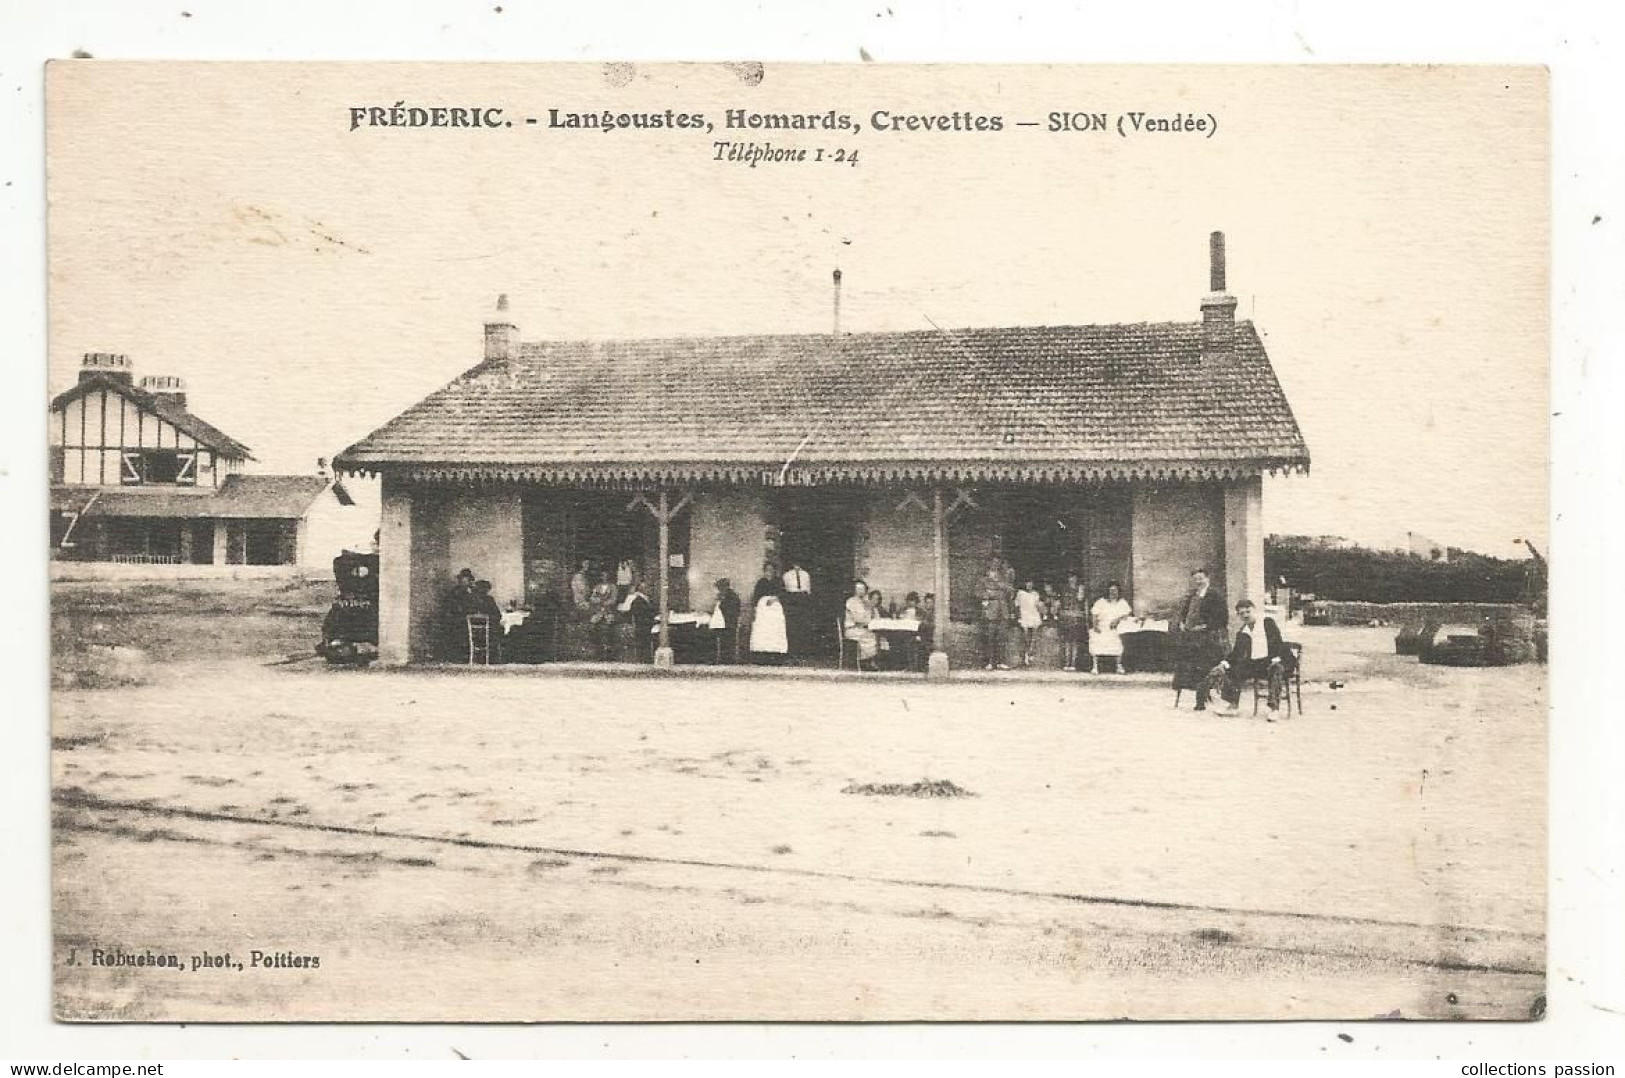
x=1386, y=227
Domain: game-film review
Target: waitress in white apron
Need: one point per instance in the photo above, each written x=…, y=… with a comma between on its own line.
x=768, y=638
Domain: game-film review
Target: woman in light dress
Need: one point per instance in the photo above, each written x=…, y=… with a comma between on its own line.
x=767, y=631
x=855, y=623
x=1104, y=617
x=1030, y=616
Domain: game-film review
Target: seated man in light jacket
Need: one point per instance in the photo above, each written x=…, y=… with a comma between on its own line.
x=1258, y=651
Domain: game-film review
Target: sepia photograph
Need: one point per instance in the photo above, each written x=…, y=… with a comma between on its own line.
x=603, y=542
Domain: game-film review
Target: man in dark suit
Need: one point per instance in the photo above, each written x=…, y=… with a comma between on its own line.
x=725, y=622
x=1258, y=651
x=1203, y=624
x=455, y=606
x=636, y=619
x=798, y=608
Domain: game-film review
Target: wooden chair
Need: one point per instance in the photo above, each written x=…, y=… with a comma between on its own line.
x=723, y=634
x=841, y=644
x=479, y=639
x=634, y=645
x=1294, y=683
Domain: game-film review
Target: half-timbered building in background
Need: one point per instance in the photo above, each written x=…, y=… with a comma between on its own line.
x=137, y=478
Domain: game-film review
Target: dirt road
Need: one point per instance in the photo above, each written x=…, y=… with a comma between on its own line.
x=505, y=847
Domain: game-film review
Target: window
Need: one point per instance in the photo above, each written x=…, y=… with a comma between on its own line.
x=164, y=466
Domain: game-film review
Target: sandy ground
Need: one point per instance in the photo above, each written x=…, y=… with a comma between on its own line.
x=501, y=846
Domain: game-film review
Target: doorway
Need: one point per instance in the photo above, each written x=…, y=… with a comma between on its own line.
x=817, y=528
x=1041, y=535
x=563, y=528
x=268, y=542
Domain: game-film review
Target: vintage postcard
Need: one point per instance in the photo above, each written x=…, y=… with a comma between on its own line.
x=605, y=542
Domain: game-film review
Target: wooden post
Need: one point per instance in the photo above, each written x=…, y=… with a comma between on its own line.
x=222, y=544
x=663, y=653
x=663, y=513
x=937, y=667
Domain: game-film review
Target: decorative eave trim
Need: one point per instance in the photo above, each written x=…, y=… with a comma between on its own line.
x=811, y=474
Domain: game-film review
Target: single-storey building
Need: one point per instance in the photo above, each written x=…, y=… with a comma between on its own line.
x=136, y=478
x=1129, y=452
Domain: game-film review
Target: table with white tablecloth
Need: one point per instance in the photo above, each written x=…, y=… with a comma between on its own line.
x=691, y=636
x=903, y=636
x=1145, y=643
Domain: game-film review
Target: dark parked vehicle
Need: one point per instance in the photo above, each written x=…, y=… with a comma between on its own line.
x=1458, y=649
x=1417, y=639
x=1503, y=639
x=350, y=630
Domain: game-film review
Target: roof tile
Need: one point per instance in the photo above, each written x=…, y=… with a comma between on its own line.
x=240, y=497
x=1112, y=393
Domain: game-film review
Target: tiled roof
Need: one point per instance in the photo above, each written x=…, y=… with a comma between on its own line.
x=240, y=497
x=71, y=499
x=205, y=433
x=1025, y=402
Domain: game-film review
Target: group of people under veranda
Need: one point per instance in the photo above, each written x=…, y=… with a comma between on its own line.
x=470, y=619
x=867, y=606
x=1087, y=628
x=613, y=617
x=467, y=598
x=619, y=620
x=783, y=621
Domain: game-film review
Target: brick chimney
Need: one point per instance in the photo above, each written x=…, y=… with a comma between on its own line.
x=501, y=335
x=1218, y=307
x=837, y=303
x=166, y=386
x=111, y=364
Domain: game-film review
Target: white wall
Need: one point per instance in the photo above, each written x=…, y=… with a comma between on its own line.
x=895, y=552
x=331, y=527
x=396, y=551
x=1244, y=540
x=485, y=533
x=1178, y=527
x=726, y=536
